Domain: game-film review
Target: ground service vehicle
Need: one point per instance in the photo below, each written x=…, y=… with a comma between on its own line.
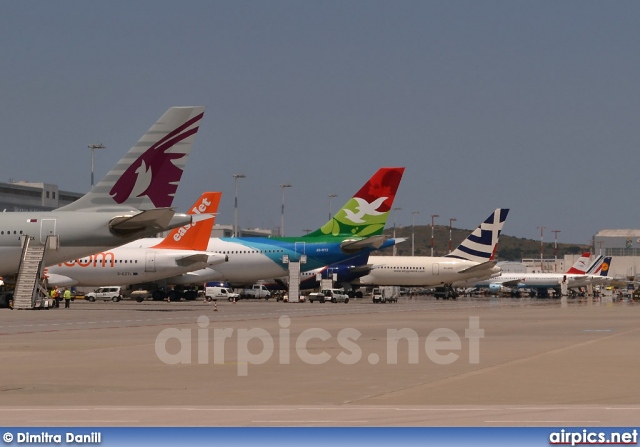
x=385, y=294
x=333, y=295
x=255, y=291
x=215, y=292
x=111, y=293
x=445, y=292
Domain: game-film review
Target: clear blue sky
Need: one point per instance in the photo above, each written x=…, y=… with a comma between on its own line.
x=532, y=106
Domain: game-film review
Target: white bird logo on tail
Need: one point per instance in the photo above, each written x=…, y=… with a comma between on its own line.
x=364, y=208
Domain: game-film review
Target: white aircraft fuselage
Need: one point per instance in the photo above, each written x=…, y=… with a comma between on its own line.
x=252, y=258
x=423, y=271
x=80, y=233
x=127, y=265
x=545, y=280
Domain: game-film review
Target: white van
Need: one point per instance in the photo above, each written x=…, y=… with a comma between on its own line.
x=215, y=292
x=104, y=293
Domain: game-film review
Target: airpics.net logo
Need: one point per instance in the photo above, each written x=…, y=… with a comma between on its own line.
x=257, y=346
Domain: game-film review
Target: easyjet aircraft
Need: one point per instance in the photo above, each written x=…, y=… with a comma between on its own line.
x=183, y=250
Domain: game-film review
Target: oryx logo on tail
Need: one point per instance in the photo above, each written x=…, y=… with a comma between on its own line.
x=155, y=173
x=147, y=176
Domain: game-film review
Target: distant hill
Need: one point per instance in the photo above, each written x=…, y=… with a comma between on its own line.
x=510, y=248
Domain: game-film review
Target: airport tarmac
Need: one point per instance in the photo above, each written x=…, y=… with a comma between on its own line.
x=419, y=362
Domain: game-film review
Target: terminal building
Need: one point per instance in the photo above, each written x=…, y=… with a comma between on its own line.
x=27, y=196
x=624, y=248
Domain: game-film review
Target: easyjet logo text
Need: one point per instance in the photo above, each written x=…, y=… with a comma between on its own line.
x=102, y=259
x=195, y=210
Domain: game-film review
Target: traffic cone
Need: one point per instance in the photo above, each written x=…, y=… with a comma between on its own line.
x=215, y=307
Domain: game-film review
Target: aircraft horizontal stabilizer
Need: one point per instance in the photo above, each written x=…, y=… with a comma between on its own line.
x=511, y=283
x=201, y=258
x=153, y=221
x=480, y=267
x=60, y=280
x=156, y=218
x=351, y=246
x=361, y=269
x=200, y=217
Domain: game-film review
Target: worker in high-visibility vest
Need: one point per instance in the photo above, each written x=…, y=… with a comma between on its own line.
x=67, y=298
x=52, y=294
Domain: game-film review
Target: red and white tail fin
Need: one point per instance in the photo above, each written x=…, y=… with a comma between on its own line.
x=366, y=213
x=581, y=265
x=194, y=236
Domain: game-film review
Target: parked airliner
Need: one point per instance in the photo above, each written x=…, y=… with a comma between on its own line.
x=355, y=229
x=579, y=275
x=473, y=258
x=183, y=250
x=132, y=201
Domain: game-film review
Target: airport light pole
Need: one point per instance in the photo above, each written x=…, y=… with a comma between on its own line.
x=451, y=221
x=555, y=250
x=433, y=218
x=235, y=205
x=541, y=248
x=395, y=248
x=331, y=196
x=283, y=186
x=93, y=147
x=413, y=231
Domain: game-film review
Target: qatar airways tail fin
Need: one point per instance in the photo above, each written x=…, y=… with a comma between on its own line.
x=194, y=236
x=148, y=175
x=366, y=213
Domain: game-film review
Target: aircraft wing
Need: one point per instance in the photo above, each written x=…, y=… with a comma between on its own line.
x=479, y=267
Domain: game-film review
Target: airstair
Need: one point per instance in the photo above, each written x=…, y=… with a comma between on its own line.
x=30, y=291
x=294, y=282
x=294, y=277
